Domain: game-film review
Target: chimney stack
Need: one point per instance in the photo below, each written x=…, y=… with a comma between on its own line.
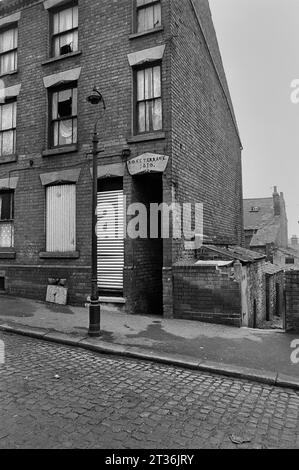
x=294, y=240
x=276, y=201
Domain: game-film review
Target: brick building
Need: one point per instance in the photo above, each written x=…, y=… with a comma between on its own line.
x=158, y=66
x=266, y=224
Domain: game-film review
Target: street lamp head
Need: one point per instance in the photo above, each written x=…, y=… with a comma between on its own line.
x=95, y=97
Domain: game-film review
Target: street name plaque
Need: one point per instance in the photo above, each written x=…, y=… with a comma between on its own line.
x=147, y=163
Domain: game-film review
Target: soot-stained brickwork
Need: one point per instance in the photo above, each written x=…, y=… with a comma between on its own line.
x=199, y=136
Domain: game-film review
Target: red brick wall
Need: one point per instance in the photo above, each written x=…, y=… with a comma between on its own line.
x=145, y=290
x=104, y=31
x=206, y=294
x=200, y=137
x=276, y=292
x=256, y=292
x=31, y=282
x=292, y=300
x=206, y=147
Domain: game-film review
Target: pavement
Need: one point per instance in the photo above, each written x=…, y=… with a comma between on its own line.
x=258, y=355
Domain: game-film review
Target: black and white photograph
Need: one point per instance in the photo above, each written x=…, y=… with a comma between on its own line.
x=149, y=228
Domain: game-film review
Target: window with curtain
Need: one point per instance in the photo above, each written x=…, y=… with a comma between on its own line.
x=63, y=116
x=6, y=219
x=8, y=50
x=148, y=15
x=148, y=99
x=65, y=31
x=61, y=218
x=8, y=118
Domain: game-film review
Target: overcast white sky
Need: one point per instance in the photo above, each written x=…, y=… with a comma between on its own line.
x=259, y=42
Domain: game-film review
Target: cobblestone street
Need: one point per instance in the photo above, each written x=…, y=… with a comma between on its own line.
x=54, y=396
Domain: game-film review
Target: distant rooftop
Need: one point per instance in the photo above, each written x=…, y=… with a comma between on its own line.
x=265, y=217
x=258, y=212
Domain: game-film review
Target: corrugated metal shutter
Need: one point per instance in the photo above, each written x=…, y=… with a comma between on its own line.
x=110, y=240
x=61, y=218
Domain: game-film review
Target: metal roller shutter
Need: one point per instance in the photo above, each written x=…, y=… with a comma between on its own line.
x=110, y=240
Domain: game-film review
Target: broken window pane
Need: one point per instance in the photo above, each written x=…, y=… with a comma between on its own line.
x=65, y=31
x=5, y=206
x=64, y=117
x=65, y=103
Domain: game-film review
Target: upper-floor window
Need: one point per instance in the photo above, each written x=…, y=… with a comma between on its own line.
x=63, y=116
x=148, y=15
x=8, y=50
x=6, y=219
x=290, y=260
x=8, y=118
x=148, y=99
x=65, y=31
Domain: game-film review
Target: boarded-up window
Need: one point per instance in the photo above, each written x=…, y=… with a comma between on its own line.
x=6, y=219
x=149, y=99
x=148, y=14
x=8, y=50
x=61, y=218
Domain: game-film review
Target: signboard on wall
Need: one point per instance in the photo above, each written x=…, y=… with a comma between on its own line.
x=147, y=163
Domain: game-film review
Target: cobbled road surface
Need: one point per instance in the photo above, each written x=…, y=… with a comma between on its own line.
x=54, y=396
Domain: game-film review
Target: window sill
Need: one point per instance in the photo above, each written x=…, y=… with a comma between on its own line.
x=60, y=151
x=8, y=158
x=14, y=72
x=6, y=253
x=61, y=57
x=58, y=255
x=145, y=33
x=146, y=137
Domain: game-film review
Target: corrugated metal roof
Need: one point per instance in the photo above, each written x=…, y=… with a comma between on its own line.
x=217, y=263
x=237, y=253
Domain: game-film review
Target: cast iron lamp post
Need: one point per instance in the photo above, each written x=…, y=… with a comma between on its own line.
x=94, y=309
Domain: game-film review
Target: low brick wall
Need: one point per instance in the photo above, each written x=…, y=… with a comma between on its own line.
x=206, y=294
x=32, y=282
x=292, y=300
